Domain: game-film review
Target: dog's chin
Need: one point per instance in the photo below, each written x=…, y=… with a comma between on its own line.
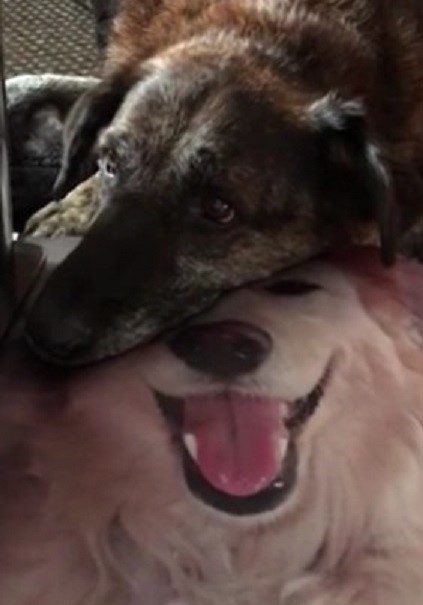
x=239, y=452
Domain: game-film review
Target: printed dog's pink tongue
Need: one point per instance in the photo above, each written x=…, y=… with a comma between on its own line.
x=240, y=440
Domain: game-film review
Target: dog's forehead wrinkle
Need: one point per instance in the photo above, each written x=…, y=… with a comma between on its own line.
x=169, y=130
x=115, y=137
x=119, y=144
x=191, y=146
x=156, y=87
x=172, y=88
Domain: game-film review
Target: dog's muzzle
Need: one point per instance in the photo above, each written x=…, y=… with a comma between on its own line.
x=238, y=448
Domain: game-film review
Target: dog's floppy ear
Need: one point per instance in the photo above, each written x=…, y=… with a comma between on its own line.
x=92, y=111
x=355, y=179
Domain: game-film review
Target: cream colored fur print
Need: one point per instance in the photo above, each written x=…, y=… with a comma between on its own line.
x=94, y=504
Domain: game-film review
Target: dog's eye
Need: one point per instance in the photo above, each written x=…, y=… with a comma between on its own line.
x=218, y=211
x=292, y=287
x=108, y=167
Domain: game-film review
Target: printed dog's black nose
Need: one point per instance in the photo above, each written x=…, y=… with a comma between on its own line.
x=223, y=349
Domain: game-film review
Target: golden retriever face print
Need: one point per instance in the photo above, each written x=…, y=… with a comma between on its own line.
x=269, y=451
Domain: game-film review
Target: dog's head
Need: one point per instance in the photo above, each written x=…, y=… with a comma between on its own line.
x=214, y=173
x=284, y=390
x=290, y=413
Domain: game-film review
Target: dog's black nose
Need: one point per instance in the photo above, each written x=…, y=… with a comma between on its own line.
x=224, y=349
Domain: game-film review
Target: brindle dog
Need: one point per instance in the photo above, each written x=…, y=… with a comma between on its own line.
x=238, y=137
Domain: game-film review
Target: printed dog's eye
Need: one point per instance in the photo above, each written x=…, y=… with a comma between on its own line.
x=219, y=211
x=292, y=287
x=108, y=167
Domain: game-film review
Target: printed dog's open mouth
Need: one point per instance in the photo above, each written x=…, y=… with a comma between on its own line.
x=238, y=450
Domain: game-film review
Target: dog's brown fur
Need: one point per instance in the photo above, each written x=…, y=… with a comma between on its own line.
x=304, y=116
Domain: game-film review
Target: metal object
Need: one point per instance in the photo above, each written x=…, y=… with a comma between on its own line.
x=20, y=262
x=24, y=262
x=5, y=214
x=6, y=274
